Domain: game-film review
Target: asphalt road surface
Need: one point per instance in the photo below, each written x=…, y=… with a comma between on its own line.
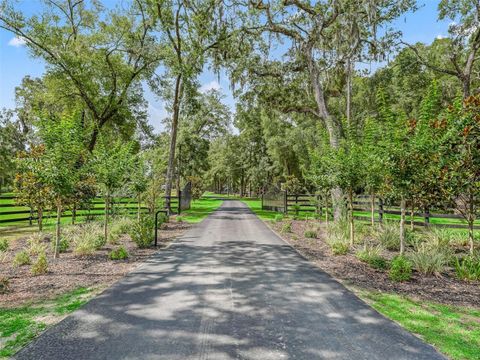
x=228, y=289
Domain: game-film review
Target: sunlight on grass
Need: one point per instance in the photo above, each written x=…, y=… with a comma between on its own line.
x=20, y=325
x=200, y=209
x=454, y=330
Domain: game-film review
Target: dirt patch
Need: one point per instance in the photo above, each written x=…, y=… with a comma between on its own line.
x=352, y=272
x=70, y=271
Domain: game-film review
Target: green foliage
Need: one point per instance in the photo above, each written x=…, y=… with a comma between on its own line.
x=4, y=245
x=388, y=236
x=400, y=269
x=87, y=238
x=40, y=266
x=428, y=260
x=372, y=256
x=468, y=268
x=21, y=258
x=310, y=233
x=278, y=218
x=118, y=254
x=4, y=284
x=118, y=227
x=179, y=219
x=35, y=244
x=286, y=227
x=142, y=232
x=339, y=247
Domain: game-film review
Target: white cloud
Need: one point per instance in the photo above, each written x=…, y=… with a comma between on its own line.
x=17, y=41
x=212, y=85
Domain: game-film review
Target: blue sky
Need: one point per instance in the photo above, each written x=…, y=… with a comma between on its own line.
x=15, y=62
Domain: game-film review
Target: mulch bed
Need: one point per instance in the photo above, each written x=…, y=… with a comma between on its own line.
x=352, y=272
x=71, y=271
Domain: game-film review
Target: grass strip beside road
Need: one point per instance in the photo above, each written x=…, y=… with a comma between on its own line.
x=19, y=325
x=453, y=330
x=200, y=209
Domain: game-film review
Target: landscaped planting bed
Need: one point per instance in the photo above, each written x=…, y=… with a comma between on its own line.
x=71, y=269
x=443, y=287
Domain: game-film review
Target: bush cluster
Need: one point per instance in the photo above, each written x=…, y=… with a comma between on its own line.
x=142, y=231
x=400, y=269
x=21, y=258
x=468, y=268
x=310, y=233
x=41, y=265
x=87, y=238
x=372, y=256
x=4, y=245
x=287, y=227
x=118, y=254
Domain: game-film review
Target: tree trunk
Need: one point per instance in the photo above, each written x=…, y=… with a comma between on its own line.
x=105, y=221
x=57, y=230
x=173, y=141
x=74, y=214
x=352, y=224
x=333, y=128
x=372, y=209
x=412, y=217
x=326, y=210
x=471, y=221
x=40, y=219
x=138, y=208
x=402, y=225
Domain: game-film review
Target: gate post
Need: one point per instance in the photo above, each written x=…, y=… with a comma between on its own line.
x=427, y=216
x=285, y=202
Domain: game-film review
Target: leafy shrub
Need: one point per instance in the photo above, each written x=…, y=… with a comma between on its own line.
x=338, y=231
x=41, y=265
x=388, y=236
x=339, y=247
x=468, y=268
x=3, y=245
x=35, y=244
x=287, y=227
x=118, y=254
x=63, y=245
x=21, y=258
x=118, y=227
x=4, y=284
x=88, y=238
x=310, y=233
x=179, y=219
x=278, y=217
x=142, y=232
x=400, y=269
x=427, y=260
x=371, y=256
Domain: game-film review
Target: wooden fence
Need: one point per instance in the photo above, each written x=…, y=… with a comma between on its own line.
x=282, y=201
x=24, y=214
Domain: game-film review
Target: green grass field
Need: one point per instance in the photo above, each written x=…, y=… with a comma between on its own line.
x=200, y=209
x=19, y=325
x=453, y=330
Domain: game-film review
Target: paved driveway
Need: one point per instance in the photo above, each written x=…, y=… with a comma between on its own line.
x=228, y=289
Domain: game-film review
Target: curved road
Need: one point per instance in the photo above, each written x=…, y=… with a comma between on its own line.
x=228, y=289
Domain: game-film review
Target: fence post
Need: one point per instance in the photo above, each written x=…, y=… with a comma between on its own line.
x=285, y=202
x=30, y=219
x=427, y=216
x=179, y=201
x=380, y=210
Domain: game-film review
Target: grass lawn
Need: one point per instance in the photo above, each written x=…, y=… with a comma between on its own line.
x=200, y=209
x=19, y=325
x=453, y=330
